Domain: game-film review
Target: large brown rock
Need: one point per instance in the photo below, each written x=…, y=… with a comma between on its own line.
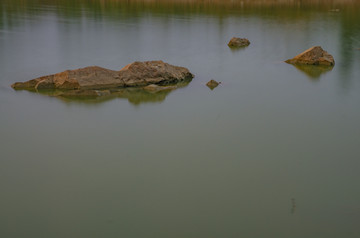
x=313, y=56
x=94, y=77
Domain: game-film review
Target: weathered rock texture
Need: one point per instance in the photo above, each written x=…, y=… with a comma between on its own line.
x=97, y=78
x=313, y=56
x=238, y=42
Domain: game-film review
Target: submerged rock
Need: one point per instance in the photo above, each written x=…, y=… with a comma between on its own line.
x=157, y=88
x=89, y=93
x=135, y=95
x=238, y=42
x=212, y=84
x=97, y=78
x=313, y=56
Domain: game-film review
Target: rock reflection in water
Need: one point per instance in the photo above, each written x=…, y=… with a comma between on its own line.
x=313, y=71
x=135, y=95
x=138, y=96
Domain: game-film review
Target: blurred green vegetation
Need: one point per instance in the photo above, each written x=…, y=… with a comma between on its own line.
x=123, y=8
x=288, y=10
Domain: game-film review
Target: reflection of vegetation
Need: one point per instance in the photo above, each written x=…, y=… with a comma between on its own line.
x=293, y=206
x=124, y=9
x=313, y=71
x=134, y=95
x=15, y=12
x=349, y=39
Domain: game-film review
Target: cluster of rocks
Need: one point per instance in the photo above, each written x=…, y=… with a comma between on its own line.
x=312, y=56
x=150, y=76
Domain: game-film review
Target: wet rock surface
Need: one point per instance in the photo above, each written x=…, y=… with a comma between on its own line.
x=313, y=56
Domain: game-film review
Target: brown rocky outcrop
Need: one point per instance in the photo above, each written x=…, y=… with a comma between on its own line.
x=313, y=56
x=97, y=78
x=238, y=42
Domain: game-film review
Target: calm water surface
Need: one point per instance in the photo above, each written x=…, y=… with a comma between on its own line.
x=272, y=152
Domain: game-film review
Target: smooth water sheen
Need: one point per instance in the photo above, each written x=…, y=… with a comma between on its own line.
x=274, y=151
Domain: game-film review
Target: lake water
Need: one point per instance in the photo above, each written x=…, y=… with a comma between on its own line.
x=274, y=151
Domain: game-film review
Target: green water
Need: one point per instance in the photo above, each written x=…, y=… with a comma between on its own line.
x=272, y=152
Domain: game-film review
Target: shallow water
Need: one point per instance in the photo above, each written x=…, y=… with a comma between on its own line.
x=272, y=152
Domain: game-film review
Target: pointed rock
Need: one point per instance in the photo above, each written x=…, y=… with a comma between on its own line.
x=313, y=56
x=212, y=84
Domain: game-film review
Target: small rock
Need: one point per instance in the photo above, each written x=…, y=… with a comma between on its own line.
x=212, y=84
x=313, y=56
x=238, y=42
